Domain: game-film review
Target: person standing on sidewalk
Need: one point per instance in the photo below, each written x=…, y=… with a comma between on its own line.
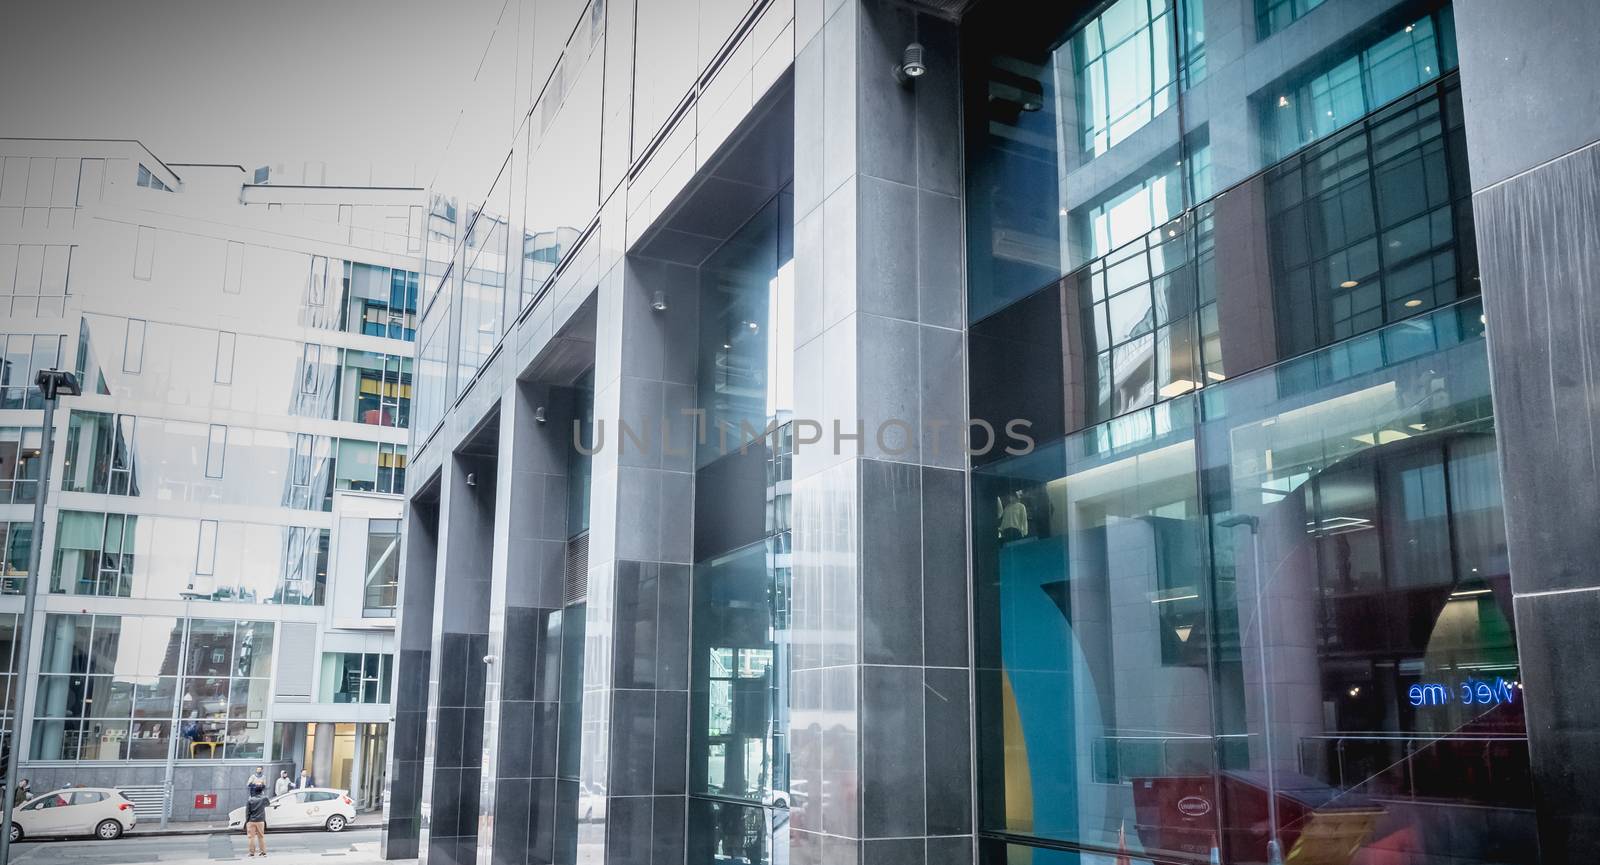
x=257, y=783
x=24, y=793
x=283, y=784
x=255, y=822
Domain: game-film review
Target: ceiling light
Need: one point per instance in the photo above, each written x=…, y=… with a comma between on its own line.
x=1413, y=303
x=1467, y=593
x=1180, y=386
x=1183, y=632
x=1283, y=102
x=1408, y=28
x=1383, y=437
x=1349, y=283
x=658, y=301
x=1214, y=375
x=1063, y=211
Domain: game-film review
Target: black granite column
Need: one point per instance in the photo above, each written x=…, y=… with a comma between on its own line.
x=453, y=765
x=525, y=627
x=880, y=736
x=408, y=731
x=1531, y=91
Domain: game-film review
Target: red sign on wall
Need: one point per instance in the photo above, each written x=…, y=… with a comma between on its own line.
x=205, y=800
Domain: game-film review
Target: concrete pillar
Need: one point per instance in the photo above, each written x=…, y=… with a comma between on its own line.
x=879, y=723
x=1531, y=92
x=322, y=757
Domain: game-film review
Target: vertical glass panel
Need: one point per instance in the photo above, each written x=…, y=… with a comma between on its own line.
x=483, y=282
x=580, y=460
x=216, y=450
x=1072, y=141
x=1093, y=669
x=739, y=697
x=746, y=326
x=225, y=346
x=382, y=583
x=563, y=173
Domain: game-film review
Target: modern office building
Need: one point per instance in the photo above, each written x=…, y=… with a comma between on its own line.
x=221, y=542
x=1149, y=431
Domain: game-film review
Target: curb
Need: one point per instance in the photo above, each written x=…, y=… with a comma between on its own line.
x=177, y=830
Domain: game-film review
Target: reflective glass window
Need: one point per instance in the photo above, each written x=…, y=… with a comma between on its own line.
x=746, y=334
x=355, y=677
x=379, y=301
x=20, y=449
x=483, y=283
x=382, y=583
x=1269, y=613
x=24, y=355
x=16, y=545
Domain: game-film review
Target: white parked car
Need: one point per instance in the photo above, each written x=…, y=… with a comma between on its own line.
x=98, y=811
x=313, y=807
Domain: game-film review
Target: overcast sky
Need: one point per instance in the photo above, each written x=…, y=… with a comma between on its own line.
x=255, y=83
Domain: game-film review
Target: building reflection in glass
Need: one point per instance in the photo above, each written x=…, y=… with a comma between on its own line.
x=1281, y=601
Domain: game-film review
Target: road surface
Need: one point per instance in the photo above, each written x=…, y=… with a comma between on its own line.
x=355, y=846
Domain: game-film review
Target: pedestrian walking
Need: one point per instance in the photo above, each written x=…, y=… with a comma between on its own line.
x=24, y=793
x=255, y=822
x=283, y=784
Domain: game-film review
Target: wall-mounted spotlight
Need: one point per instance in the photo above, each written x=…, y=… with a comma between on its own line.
x=489, y=659
x=539, y=415
x=658, y=301
x=472, y=479
x=911, y=64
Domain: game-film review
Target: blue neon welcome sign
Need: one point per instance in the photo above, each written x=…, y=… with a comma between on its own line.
x=1473, y=692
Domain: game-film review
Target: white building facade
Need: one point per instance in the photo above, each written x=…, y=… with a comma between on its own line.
x=218, y=581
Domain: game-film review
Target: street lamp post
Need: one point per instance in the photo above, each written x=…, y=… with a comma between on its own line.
x=53, y=384
x=1274, y=848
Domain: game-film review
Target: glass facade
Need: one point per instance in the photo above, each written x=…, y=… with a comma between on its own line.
x=16, y=545
x=172, y=558
x=739, y=696
x=355, y=677
x=116, y=687
x=26, y=354
x=19, y=464
x=1248, y=599
x=1289, y=587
